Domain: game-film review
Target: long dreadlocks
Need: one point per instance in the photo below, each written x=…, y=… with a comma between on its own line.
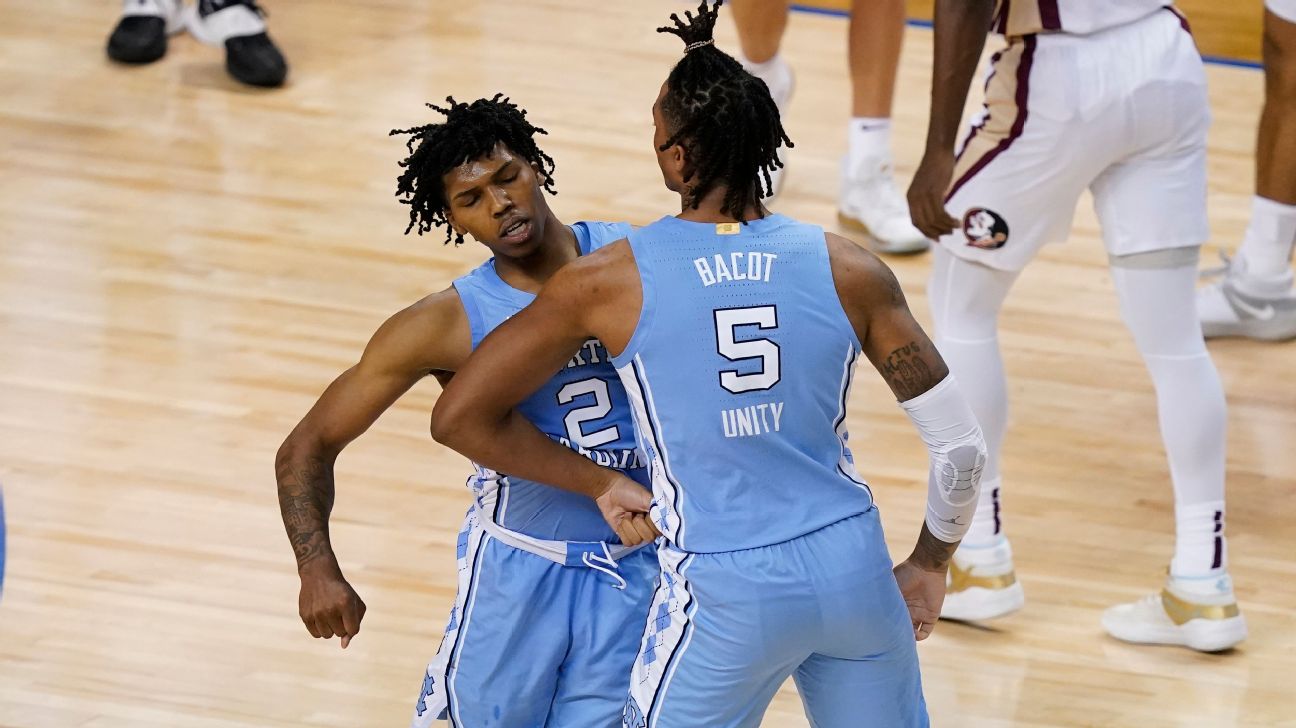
x=470, y=131
x=722, y=116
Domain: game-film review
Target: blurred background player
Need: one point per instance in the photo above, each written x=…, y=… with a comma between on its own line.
x=540, y=573
x=869, y=202
x=250, y=56
x=1108, y=95
x=1254, y=298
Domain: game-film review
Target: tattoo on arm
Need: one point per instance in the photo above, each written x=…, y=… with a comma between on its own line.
x=930, y=552
x=906, y=371
x=305, y=501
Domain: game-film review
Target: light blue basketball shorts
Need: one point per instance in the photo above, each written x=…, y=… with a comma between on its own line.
x=726, y=629
x=532, y=643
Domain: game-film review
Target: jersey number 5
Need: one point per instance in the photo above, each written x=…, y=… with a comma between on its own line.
x=728, y=319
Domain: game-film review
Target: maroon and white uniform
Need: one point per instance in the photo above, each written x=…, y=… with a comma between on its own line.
x=1105, y=95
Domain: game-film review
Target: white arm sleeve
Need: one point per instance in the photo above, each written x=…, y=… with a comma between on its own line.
x=958, y=452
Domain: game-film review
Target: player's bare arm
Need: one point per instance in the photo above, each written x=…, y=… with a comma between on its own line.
x=907, y=359
x=960, y=27
x=477, y=416
x=428, y=338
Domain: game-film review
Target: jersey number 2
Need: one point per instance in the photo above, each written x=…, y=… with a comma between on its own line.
x=600, y=409
x=728, y=319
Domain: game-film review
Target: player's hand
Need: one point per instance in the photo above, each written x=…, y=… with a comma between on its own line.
x=625, y=505
x=328, y=605
x=927, y=195
x=924, y=593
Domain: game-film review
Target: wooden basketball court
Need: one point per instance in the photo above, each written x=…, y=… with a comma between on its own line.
x=186, y=263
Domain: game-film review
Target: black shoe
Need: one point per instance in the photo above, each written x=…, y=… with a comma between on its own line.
x=250, y=55
x=141, y=34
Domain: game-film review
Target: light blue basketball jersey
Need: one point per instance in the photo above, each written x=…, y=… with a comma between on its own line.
x=584, y=407
x=738, y=371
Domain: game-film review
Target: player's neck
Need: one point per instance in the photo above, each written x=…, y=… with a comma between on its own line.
x=709, y=209
x=557, y=248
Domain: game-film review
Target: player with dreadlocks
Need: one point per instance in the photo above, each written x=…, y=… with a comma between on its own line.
x=551, y=599
x=735, y=333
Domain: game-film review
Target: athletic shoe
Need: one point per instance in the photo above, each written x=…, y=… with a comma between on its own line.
x=141, y=34
x=1203, y=617
x=239, y=25
x=871, y=204
x=982, y=584
x=1237, y=304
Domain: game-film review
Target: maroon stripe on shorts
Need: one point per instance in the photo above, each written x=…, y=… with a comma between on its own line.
x=1023, y=91
x=1183, y=19
x=1002, y=20
x=1049, y=15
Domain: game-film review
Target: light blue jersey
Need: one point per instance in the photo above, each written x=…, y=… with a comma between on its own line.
x=581, y=407
x=739, y=370
x=545, y=624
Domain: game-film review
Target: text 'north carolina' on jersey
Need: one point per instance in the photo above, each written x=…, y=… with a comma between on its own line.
x=583, y=407
x=738, y=372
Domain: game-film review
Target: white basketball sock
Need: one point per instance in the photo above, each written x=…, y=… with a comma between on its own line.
x=1267, y=247
x=1157, y=305
x=867, y=139
x=965, y=299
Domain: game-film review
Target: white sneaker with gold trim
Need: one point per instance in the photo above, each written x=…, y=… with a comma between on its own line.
x=982, y=584
x=1183, y=614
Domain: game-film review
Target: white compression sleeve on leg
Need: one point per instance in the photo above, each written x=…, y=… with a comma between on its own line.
x=958, y=453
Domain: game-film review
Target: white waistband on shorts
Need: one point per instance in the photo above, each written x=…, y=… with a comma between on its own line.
x=559, y=552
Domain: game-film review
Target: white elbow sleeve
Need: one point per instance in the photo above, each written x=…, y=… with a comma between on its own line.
x=958, y=453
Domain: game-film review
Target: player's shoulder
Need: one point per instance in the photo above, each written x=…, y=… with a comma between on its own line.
x=858, y=274
x=595, y=234
x=431, y=333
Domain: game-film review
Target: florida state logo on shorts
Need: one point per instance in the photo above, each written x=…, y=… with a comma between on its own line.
x=985, y=229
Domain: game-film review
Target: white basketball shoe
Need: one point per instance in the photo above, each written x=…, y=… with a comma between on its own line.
x=1237, y=304
x=1199, y=614
x=871, y=205
x=982, y=584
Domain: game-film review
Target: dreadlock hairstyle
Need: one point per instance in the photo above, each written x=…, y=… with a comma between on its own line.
x=470, y=131
x=722, y=116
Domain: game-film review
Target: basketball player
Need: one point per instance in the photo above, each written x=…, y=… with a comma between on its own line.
x=1255, y=297
x=868, y=203
x=736, y=333
x=1108, y=95
x=540, y=573
x=239, y=25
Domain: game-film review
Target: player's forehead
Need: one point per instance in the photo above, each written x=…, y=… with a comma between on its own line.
x=478, y=170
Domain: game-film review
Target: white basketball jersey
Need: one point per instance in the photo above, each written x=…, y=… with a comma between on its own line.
x=1024, y=17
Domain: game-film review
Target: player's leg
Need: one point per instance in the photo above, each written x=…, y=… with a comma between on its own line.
x=864, y=673
x=498, y=664
x=1015, y=188
x=140, y=36
x=760, y=25
x=966, y=301
x=1152, y=207
x=721, y=638
x=869, y=201
x=606, y=625
x=1255, y=297
x=239, y=26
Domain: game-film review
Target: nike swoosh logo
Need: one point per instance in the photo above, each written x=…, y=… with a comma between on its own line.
x=1264, y=313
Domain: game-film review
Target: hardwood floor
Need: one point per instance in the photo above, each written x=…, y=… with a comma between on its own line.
x=186, y=263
